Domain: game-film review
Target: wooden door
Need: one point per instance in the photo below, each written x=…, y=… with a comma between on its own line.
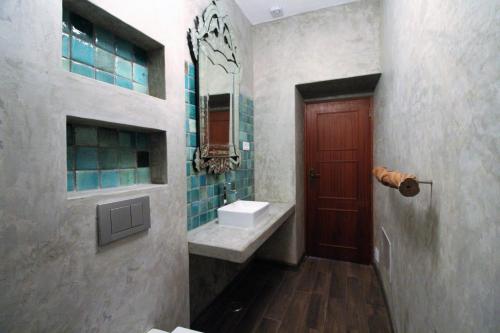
x=338, y=145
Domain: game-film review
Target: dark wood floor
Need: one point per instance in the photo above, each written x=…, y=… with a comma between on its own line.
x=320, y=296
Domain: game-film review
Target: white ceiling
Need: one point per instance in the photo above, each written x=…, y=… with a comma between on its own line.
x=258, y=11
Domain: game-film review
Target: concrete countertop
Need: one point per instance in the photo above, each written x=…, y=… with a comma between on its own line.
x=237, y=244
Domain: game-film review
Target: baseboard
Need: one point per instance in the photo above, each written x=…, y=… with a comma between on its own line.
x=384, y=294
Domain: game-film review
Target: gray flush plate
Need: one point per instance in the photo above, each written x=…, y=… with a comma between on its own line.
x=121, y=219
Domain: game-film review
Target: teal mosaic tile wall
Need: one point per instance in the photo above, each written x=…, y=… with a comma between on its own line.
x=96, y=53
x=205, y=191
x=99, y=157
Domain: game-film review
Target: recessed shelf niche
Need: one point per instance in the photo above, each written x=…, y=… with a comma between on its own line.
x=102, y=155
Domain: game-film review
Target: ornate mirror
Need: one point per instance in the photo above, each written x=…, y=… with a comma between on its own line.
x=217, y=87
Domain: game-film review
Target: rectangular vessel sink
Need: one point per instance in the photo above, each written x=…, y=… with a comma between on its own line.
x=243, y=214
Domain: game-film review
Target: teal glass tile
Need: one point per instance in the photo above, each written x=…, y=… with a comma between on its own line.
x=82, y=51
x=70, y=181
x=108, y=137
x=124, y=83
x=108, y=158
x=143, y=176
x=69, y=135
x=203, y=180
x=195, y=208
x=87, y=180
x=127, y=177
x=140, y=56
x=191, y=70
x=140, y=88
x=124, y=49
x=105, y=40
x=85, y=135
x=192, y=98
x=104, y=60
x=142, y=141
x=65, y=45
x=82, y=69
x=80, y=27
x=65, y=21
x=127, y=158
x=86, y=158
x=110, y=178
x=104, y=77
x=70, y=158
x=65, y=63
x=140, y=74
x=123, y=68
x=126, y=139
x=195, y=182
x=195, y=195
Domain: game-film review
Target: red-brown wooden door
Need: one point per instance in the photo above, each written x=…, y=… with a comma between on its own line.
x=338, y=147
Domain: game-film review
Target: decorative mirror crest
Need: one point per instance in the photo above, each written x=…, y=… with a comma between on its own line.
x=214, y=54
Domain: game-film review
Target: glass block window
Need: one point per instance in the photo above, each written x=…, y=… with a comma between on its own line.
x=99, y=157
x=91, y=51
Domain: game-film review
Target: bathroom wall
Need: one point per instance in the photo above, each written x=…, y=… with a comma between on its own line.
x=52, y=275
x=337, y=42
x=437, y=115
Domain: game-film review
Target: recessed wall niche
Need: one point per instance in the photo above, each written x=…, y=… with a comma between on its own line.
x=98, y=45
x=103, y=155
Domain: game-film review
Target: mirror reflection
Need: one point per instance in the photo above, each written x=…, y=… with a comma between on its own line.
x=219, y=107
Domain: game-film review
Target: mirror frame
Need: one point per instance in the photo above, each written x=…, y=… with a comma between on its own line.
x=212, y=37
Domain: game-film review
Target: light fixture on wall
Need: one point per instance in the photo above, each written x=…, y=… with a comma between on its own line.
x=276, y=11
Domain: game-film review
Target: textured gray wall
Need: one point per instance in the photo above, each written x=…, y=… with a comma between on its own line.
x=437, y=114
x=52, y=276
x=331, y=43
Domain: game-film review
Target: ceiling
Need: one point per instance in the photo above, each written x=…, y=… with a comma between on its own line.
x=258, y=11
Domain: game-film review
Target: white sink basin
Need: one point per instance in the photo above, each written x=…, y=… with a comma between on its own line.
x=243, y=214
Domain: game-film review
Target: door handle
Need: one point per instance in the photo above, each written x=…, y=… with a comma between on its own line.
x=313, y=174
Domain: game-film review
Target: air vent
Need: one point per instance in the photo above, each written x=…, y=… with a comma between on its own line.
x=276, y=12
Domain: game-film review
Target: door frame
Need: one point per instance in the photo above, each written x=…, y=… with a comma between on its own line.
x=367, y=258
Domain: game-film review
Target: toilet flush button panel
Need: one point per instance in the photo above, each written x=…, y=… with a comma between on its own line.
x=246, y=145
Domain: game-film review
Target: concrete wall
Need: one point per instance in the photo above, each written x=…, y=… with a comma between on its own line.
x=332, y=43
x=437, y=115
x=52, y=275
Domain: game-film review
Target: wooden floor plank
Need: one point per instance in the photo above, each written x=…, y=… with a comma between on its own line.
x=294, y=320
x=283, y=297
x=268, y=326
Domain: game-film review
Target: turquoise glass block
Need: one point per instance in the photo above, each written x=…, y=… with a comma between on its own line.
x=104, y=60
x=140, y=88
x=65, y=21
x=123, y=68
x=195, y=208
x=87, y=180
x=108, y=137
x=65, y=45
x=104, y=77
x=126, y=139
x=70, y=158
x=192, y=98
x=124, y=49
x=110, y=179
x=108, y=158
x=65, y=63
x=127, y=158
x=141, y=74
x=143, y=176
x=81, y=28
x=124, y=83
x=86, y=158
x=140, y=56
x=82, y=69
x=142, y=141
x=82, y=51
x=85, y=135
x=105, y=40
x=70, y=181
x=127, y=177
